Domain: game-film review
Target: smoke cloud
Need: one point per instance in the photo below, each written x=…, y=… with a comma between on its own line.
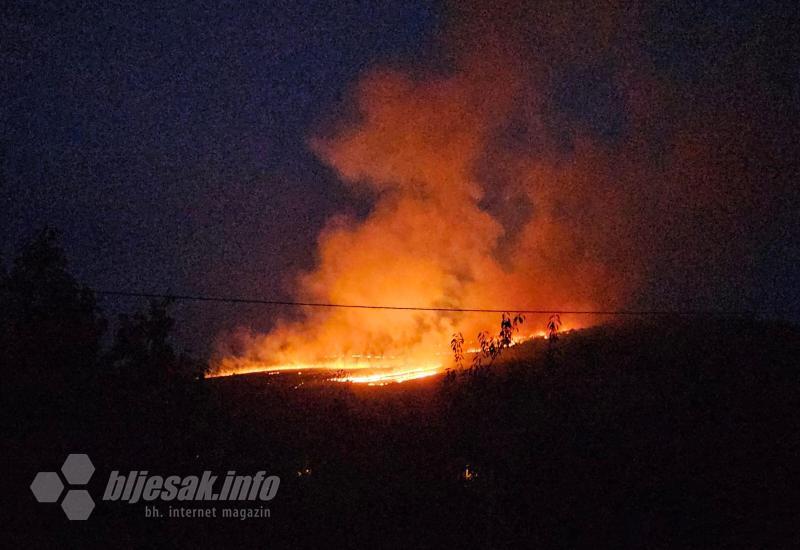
x=545, y=157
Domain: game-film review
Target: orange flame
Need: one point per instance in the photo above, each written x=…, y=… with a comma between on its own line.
x=428, y=242
x=439, y=234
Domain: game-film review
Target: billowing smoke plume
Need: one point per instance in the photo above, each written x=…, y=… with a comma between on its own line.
x=543, y=160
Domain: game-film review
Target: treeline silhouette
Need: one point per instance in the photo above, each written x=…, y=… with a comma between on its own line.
x=74, y=382
x=658, y=433
x=59, y=360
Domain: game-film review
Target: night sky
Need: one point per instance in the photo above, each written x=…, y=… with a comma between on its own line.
x=169, y=144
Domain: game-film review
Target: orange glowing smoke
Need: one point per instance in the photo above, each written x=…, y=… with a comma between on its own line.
x=429, y=241
x=480, y=203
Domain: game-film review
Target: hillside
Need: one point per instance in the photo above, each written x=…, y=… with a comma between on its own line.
x=656, y=433
x=642, y=434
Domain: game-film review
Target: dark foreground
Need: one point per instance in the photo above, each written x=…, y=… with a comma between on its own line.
x=638, y=435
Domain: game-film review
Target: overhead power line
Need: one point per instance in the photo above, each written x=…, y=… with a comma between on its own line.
x=257, y=301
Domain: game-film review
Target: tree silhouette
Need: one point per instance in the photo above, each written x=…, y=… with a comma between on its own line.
x=457, y=346
x=50, y=338
x=142, y=353
x=490, y=346
x=50, y=326
x=553, y=326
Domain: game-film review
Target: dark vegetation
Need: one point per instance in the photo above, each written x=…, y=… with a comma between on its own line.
x=644, y=434
x=490, y=347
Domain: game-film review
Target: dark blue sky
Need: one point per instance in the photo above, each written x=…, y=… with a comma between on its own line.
x=169, y=145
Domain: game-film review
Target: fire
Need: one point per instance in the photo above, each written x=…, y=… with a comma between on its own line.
x=394, y=375
x=455, y=223
x=370, y=370
x=495, y=179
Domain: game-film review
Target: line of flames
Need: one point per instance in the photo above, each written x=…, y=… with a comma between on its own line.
x=388, y=375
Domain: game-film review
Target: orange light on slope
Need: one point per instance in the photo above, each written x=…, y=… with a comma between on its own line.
x=379, y=374
x=393, y=376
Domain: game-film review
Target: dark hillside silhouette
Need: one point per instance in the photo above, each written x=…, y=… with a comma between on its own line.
x=676, y=432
